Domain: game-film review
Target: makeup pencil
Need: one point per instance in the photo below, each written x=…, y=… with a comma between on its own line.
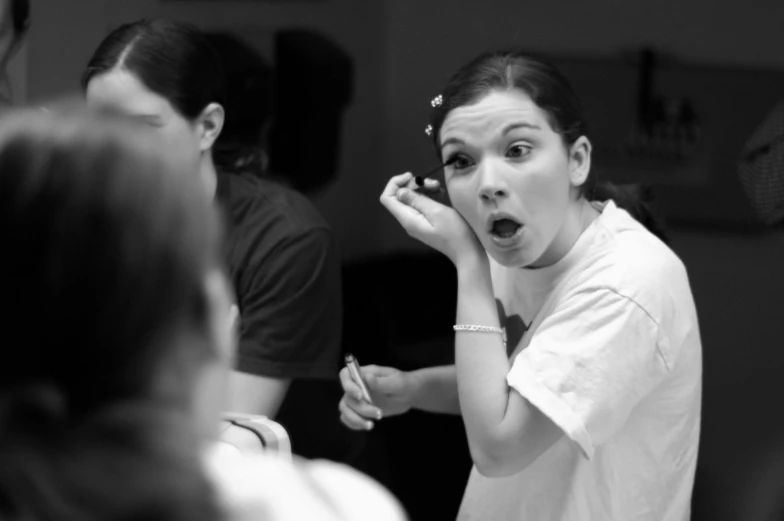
x=420, y=179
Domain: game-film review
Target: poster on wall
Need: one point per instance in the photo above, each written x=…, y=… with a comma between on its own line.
x=676, y=127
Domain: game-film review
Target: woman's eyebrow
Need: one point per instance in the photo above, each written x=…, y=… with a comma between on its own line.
x=506, y=130
x=522, y=124
x=451, y=141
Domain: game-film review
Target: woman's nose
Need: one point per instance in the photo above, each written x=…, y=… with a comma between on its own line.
x=492, y=185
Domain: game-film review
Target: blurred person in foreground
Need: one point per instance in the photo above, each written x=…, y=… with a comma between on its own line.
x=118, y=338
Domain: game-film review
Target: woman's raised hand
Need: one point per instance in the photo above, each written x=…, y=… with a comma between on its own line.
x=429, y=221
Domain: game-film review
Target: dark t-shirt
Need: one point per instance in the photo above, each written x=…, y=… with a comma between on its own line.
x=285, y=267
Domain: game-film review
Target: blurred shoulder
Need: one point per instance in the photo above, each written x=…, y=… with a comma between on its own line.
x=276, y=488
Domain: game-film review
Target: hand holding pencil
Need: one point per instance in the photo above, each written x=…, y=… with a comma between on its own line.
x=389, y=393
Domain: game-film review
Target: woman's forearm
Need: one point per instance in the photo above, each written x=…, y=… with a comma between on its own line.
x=436, y=390
x=481, y=360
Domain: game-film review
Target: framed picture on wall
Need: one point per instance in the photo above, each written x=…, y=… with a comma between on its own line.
x=676, y=127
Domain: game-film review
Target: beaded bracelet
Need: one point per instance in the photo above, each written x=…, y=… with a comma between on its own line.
x=481, y=329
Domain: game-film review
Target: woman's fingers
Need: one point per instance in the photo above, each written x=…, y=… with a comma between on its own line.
x=423, y=184
x=411, y=184
x=351, y=419
x=350, y=387
x=432, y=184
x=412, y=209
x=389, y=198
x=354, y=400
x=363, y=408
x=373, y=370
x=395, y=184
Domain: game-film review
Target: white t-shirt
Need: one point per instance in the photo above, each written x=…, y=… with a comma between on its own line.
x=264, y=487
x=614, y=359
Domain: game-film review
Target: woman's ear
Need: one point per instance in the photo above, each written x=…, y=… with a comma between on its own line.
x=579, y=161
x=210, y=124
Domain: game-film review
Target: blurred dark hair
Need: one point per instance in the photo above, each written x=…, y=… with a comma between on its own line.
x=106, y=246
x=20, y=16
x=172, y=59
x=241, y=145
x=551, y=91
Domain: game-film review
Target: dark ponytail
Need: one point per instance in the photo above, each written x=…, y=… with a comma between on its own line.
x=552, y=92
x=242, y=144
x=637, y=199
x=20, y=16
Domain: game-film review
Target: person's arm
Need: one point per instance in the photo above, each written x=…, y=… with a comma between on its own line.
x=291, y=321
x=394, y=392
x=500, y=424
x=435, y=390
x=254, y=394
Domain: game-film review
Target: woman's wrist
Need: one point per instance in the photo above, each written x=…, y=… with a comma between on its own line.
x=416, y=385
x=473, y=277
x=434, y=389
x=473, y=264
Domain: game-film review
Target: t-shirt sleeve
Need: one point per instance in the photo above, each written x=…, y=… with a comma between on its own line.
x=590, y=362
x=291, y=310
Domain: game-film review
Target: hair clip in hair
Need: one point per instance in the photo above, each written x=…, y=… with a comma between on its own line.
x=436, y=102
x=429, y=130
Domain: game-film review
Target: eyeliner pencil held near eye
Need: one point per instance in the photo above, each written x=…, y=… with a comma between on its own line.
x=420, y=179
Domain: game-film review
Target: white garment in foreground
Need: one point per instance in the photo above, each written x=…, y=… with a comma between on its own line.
x=616, y=362
x=268, y=488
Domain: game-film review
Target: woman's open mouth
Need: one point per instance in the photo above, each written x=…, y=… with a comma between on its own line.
x=504, y=230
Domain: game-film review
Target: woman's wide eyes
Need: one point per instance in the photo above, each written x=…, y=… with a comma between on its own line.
x=459, y=162
x=518, y=151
